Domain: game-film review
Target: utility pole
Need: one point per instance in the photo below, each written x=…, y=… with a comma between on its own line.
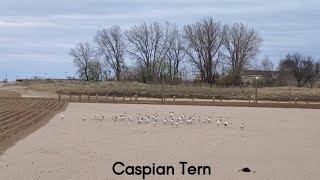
x=162, y=89
x=256, y=96
x=290, y=93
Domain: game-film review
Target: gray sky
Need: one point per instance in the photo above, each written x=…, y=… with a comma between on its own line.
x=36, y=35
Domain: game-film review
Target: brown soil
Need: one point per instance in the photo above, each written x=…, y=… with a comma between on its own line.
x=9, y=94
x=20, y=117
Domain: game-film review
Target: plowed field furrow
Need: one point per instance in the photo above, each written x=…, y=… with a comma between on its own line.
x=21, y=116
x=50, y=105
x=14, y=117
x=25, y=122
x=10, y=114
x=17, y=121
x=28, y=104
x=5, y=114
x=57, y=106
x=24, y=104
x=44, y=105
x=4, y=111
x=38, y=105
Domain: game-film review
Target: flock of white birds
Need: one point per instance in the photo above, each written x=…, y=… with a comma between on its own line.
x=171, y=119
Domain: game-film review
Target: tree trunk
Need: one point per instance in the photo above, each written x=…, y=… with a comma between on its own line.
x=118, y=75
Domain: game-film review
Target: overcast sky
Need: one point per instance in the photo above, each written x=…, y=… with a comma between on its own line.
x=36, y=35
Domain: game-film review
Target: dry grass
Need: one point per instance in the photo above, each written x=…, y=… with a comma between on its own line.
x=180, y=91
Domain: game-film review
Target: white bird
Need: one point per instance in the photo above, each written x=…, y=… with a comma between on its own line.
x=180, y=120
x=230, y=122
x=242, y=126
x=122, y=117
x=209, y=119
x=154, y=123
x=189, y=121
x=219, y=121
x=165, y=121
x=183, y=117
x=140, y=121
x=138, y=116
x=130, y=118
x=84, y=117
x=226, y=123
x=171, y=121
x=177, y=123
x=101, y=118
x=193, y=117
x=171, y=114
x=204, y=121
x=62, y=116
x=154, y=117
x=115, y=118
x=147, y=119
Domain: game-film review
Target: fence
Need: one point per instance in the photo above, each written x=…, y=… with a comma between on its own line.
x=168, y=100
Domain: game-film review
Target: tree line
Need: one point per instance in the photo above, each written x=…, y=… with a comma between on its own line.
x=163, y=51
x=300, y=70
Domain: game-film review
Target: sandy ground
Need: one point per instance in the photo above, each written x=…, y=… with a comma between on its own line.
x=277, y=143
x=29, y=93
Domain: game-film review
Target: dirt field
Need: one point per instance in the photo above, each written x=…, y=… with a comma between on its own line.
x=12, y=94
x=21, y=116
x=276, y=143
x=25, y=92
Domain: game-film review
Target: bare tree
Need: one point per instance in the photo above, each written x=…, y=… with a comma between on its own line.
x=148, y=45
x=314, y=74
x=267, y=71
x=204, y=40
x=112, y=47
x=94, y=70
x=176, y=52
x=242, y=45
x=299, y=66
x=286, y=77
x=131, y=73
x=82, y=54
x=267, y=64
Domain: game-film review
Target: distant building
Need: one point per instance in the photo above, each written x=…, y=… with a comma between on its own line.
x=197, y=76
x=48, y=79
x=267, y=76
